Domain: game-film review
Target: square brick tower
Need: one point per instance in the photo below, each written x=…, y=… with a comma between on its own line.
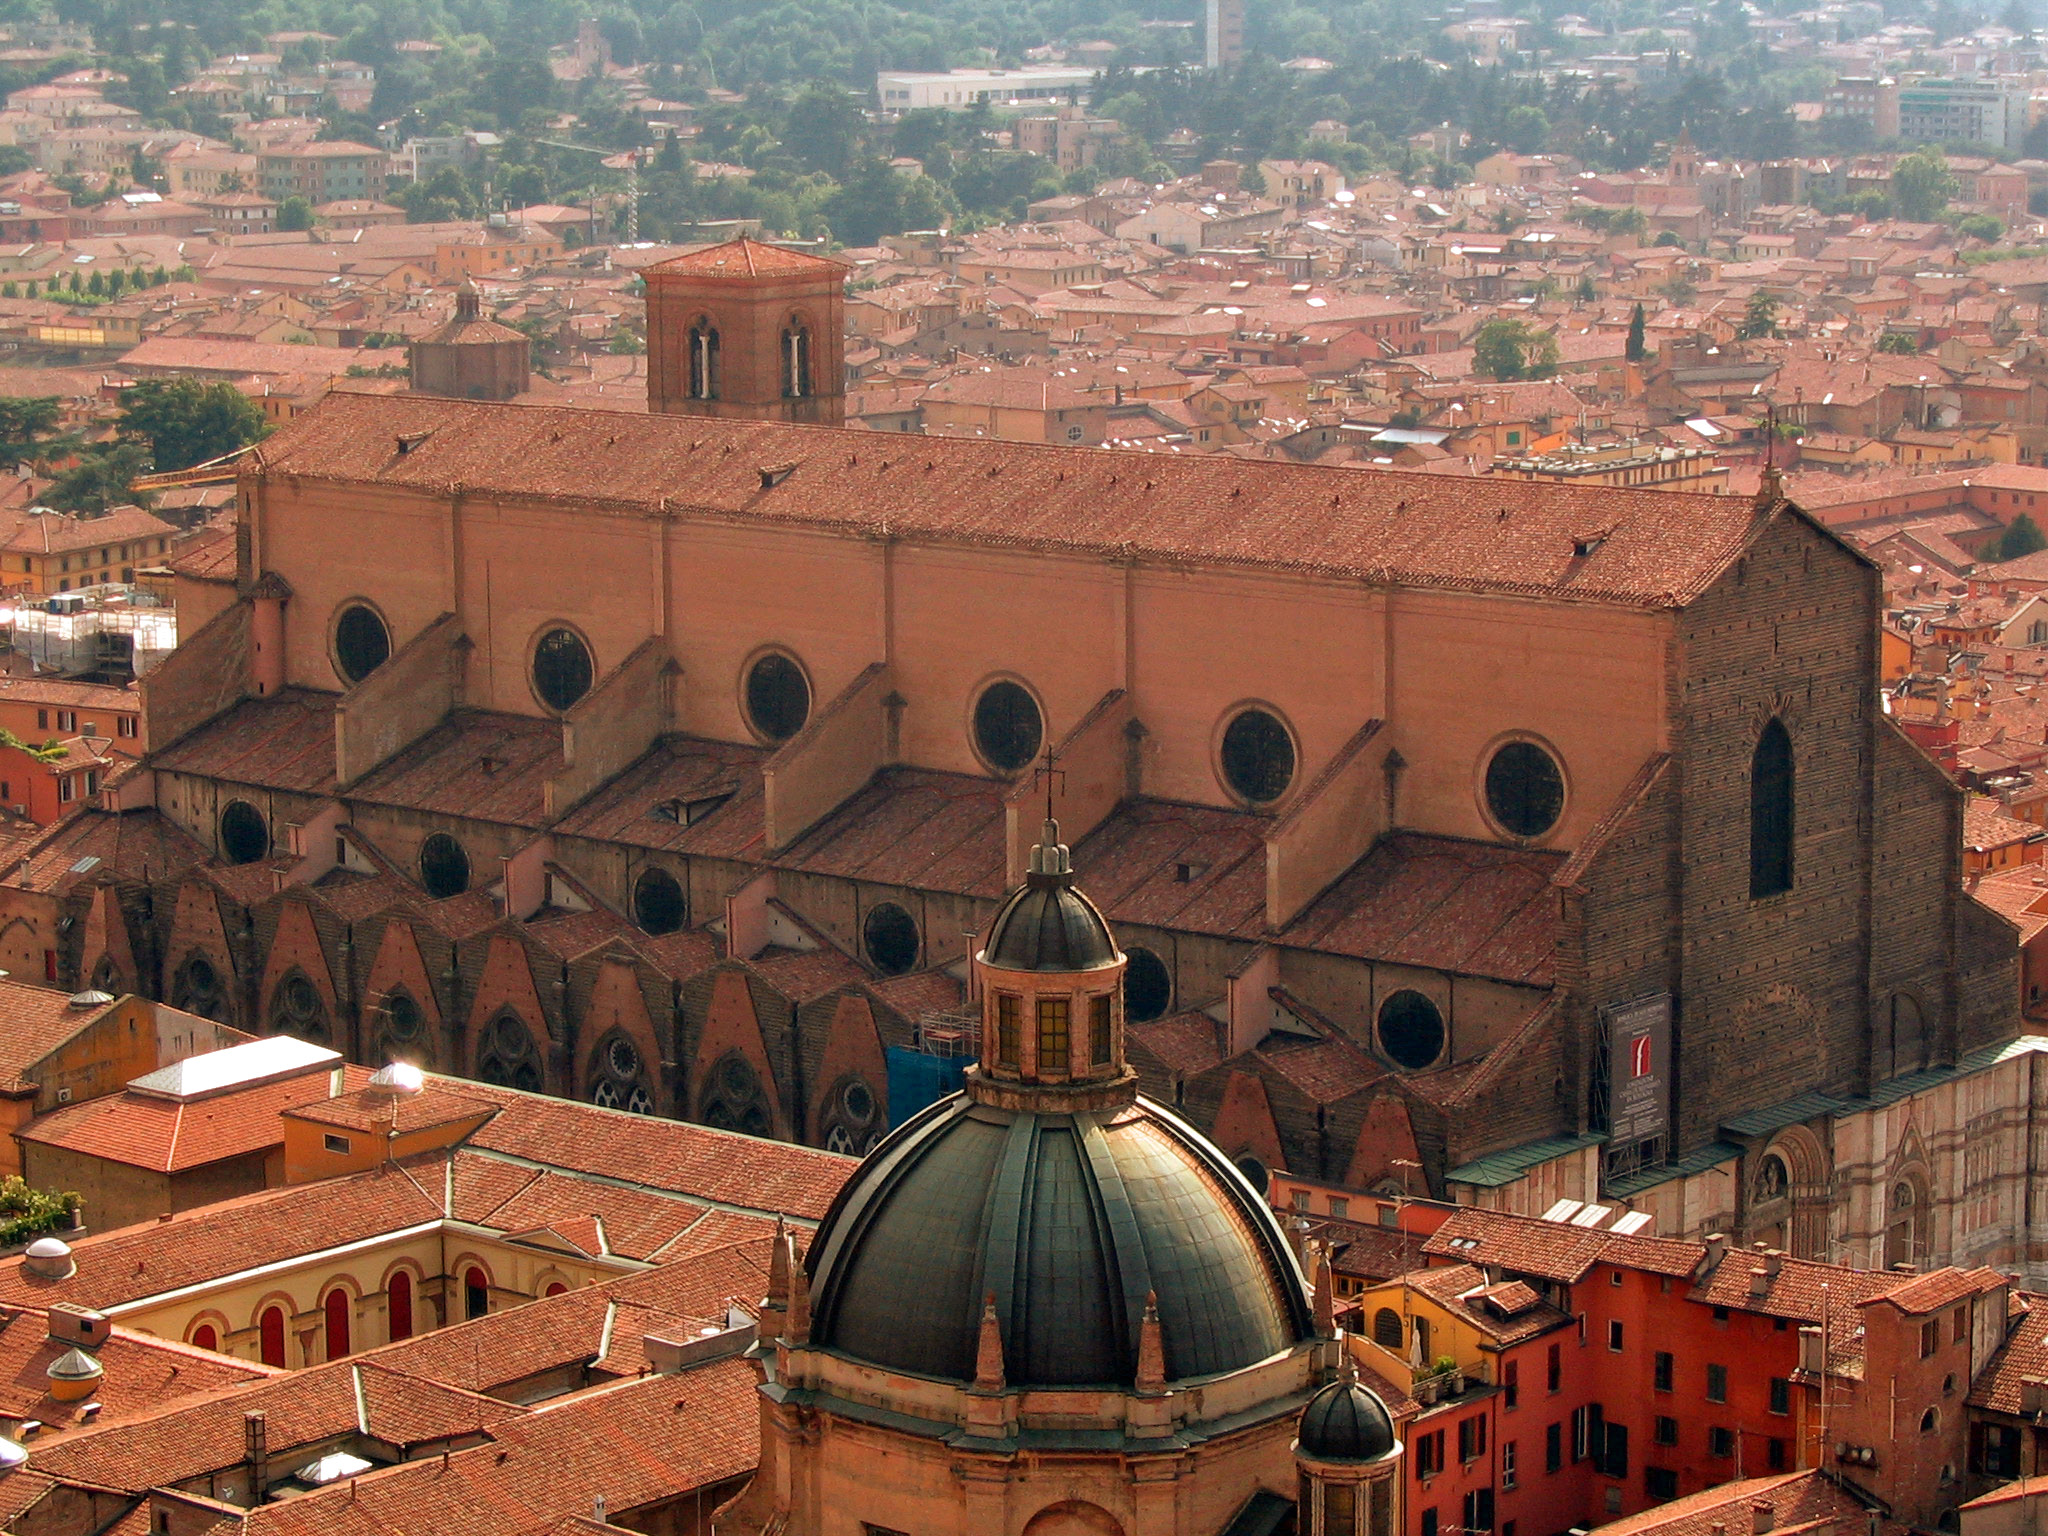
x=747, y=330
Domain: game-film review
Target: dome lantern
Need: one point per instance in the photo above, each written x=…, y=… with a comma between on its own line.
x=1346, y=1454
x=1051, y=980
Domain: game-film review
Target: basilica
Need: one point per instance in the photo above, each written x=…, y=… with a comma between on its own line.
x=1485, y=839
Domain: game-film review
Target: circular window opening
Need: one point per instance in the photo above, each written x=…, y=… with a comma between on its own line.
x=1007, y=726
x=444, y=867
x=778, y=698
x=361, y=642
x=1524, y=789
x=620, y=1059
x=244, y=835
x=1255, y=1171
x=858, y=1101
x=891, y=937
x=402, y=1017
x=658, y=904
x=1258, y=757
x=301, y=1000
x=562, y=669
x=1148, y=986
x=1411, y=1030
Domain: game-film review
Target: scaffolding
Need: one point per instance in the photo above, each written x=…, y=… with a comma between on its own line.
x=108, y=633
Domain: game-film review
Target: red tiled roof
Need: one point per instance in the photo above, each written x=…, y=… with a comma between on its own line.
x=1795, y=1499
x=2023, y=1355
x=34, y=1021
x=1660, y=549
x=747, y=258
x=169, y=1136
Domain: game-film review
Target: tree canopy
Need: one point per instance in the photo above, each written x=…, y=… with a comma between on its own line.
x=183, y=422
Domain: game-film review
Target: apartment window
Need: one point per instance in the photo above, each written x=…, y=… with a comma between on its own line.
x=1429, y=1522
x=1930, y=1337
x=1781, y=1395
x=67, y=787
x=1665, y=1367
x=66, y=720
x=1429, y=1454
x=1717, y=1383
x=1553, y=1448
x=1507, y=1463
x=1555, y=1368
x=126, y=725
x=1614, y=1336
x=338, y=1144
x=1340, y=1208
x=1960, y=1325
x=42, y=719
x=1997, y=1451
x=1664, y=1430
x=1582, y=1432
x=1472, y=1438
x=1779, y=1454
x=1660, y=1483
x=1478, y=1511
x=1721, y=1442
x=1510, y=1374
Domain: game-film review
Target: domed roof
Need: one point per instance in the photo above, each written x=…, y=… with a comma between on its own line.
x=1067, y=1220
x=1046, y=924
x=1345, y=1422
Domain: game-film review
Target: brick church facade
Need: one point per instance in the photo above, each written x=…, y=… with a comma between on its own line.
x=1502, y=840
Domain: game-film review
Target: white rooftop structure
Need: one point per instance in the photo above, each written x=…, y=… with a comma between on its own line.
x=239, y=1066
x=906, y=90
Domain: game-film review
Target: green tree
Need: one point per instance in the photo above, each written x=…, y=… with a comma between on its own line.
x=824, y=129
x=1252, y=180
x=1898, y=341
x=1510, y=349
x=1759, y=317
x=1922, y=186
x=25, y=422
x=76, y=284
x=1526, y=129
x=97, y=283
x=117, y=282
x=295, y=213
x=185, y=422
x=2021, y=537
x=1980, y=226
x=1587, y=292
x=1636, y=350
x=99, y=481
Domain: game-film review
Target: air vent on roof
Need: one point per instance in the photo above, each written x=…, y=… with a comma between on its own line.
x=773, y=475
x=407, y=441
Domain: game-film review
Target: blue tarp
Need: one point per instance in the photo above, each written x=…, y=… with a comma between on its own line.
x=917, y=1080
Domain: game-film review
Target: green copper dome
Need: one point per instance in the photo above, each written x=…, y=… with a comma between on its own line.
x=1068, y=1221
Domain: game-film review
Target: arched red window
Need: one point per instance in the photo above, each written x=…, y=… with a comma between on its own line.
x=270, y=1335
x=556, y=1288
x=338, y=1309
x=205, y=1337
x=476, y=1293
x=399, y=1297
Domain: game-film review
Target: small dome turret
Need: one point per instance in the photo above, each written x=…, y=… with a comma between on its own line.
x=1346, y=1422
x=1046, y=924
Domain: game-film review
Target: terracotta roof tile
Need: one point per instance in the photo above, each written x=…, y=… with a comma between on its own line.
x=141, y=1130
x=1661, y=549
x=34, y=1021
x=144, y=1374
x=746, y=258
x=283, y=742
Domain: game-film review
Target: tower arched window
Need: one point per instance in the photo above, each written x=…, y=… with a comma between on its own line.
x=1770, y=812
x=796, y=360
x=703, y=361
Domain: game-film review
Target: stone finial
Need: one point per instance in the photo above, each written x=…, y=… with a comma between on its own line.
x=797, y=1330
x=1326, y=1298
x=775, y=1306
x=1151, y=1349
x=988, y=1354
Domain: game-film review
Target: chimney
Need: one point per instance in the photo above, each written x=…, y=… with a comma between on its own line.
x=1812, y=1353
x=1763, y=1517
x=1759, y=1281
x=77, y=1326
x=256, y=1451
x=2033, y=1394
x=1717, y=1250
x=1774, y=1261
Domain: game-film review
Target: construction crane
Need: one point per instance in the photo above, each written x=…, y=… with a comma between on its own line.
x=632, y=169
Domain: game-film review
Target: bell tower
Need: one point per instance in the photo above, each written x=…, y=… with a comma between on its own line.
x=750, y=331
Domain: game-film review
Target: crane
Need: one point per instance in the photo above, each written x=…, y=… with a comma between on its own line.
x=632, y=159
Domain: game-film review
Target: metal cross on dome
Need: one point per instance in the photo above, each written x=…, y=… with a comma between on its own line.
x=1048, y=772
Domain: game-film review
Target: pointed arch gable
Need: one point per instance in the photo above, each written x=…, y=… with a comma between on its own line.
x=1386, y=1136
x=196, y=923
x=295, y=945
x=105, y=940
x=1244, y=1121
x=617, y=1003
x=853, y=1047
x=399, y=964
x=733, y=1026
x=507, y=982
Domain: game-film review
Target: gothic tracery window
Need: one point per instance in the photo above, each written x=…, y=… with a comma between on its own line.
x=618, y=1080
x=733, y=1098
x=506, y=1054
x=199, y=989
x=853, y=1118
x=297, y=1009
